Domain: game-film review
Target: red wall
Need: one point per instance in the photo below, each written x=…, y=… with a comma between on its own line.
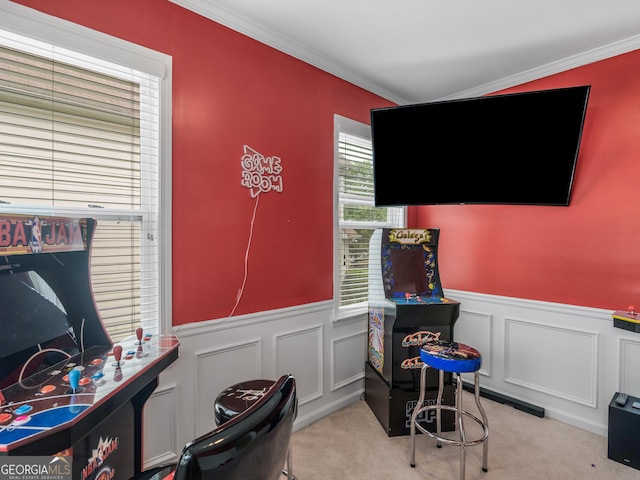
x=230, y=91
x=585, y=254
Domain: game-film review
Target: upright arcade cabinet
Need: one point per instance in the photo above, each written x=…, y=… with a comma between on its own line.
x=407, y=308
x=66, y=390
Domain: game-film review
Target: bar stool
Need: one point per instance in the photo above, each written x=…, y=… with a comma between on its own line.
x=457, y=358
x=237, y=398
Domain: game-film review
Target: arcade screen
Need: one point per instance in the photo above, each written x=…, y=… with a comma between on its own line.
x=408, y=271
x=34, y=320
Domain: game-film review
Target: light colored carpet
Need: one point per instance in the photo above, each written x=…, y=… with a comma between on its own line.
x=351, y=444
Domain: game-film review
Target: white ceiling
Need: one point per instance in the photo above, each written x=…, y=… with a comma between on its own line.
x=413, y=51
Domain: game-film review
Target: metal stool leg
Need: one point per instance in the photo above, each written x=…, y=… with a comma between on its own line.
x=460, y=420
x=289, y=470
x=414, y=415
x=485, y=443
x=438, y=409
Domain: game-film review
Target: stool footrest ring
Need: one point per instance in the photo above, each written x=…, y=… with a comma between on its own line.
x=450, y=352
x=449, y=441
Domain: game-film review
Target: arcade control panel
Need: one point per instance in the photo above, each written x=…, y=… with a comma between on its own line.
x=63, y=393
x=414, y=299
x=629, y=320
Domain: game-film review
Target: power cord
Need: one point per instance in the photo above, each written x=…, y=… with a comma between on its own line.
x=246, y=257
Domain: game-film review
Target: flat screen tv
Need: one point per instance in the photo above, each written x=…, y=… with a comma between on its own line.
x=518, y=149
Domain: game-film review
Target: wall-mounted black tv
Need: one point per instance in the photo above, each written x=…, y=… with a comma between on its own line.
x=518, y=149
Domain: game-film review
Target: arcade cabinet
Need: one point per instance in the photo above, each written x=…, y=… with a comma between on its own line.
x=407, y=308
x=66, y=390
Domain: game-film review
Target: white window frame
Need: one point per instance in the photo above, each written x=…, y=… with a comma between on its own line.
x=348, y=126
x=45, y=28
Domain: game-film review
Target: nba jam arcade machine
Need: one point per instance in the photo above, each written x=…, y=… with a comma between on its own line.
x=67, y=391
x=407, y=308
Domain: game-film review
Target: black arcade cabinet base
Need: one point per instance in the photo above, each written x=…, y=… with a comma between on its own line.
x=393, y=406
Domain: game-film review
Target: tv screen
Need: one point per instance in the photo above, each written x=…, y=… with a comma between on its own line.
x=518, y=148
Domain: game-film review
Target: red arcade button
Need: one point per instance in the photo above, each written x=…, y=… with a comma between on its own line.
x=5, y=417
x=47, y=388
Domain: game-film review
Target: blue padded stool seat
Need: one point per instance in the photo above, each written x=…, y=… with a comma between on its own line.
x=457, y=358
x=451, y=356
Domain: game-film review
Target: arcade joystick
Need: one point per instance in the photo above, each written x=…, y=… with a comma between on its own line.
x=74, y=380
x=139, y=336
x=117, y=354
x=632, y=310
x=407, y=296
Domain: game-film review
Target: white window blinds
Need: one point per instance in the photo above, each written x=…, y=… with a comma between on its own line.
x=357, y=215
x=78, y=137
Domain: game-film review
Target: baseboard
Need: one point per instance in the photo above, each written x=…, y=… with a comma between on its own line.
x=506, y=400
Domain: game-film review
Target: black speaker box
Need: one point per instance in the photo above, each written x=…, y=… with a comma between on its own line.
x=624, y=432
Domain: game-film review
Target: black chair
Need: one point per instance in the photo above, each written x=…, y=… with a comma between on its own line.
x=252, y=445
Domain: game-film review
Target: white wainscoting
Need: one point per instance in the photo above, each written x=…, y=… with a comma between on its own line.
x=552, y=360
x=160, y=441
x=629, y=358
x=569, y=360
x=326, y=357
x=301, y=351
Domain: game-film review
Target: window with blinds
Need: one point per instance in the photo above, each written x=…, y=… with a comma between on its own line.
x=79, y=137
x=357, y=215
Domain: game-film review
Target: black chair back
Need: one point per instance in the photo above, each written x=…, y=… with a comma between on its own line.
x=251, y=446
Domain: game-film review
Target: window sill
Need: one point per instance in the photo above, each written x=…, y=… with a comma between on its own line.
x=346, y=314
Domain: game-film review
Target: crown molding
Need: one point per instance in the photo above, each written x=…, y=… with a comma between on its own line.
x=585, y=58
x=246, y=26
